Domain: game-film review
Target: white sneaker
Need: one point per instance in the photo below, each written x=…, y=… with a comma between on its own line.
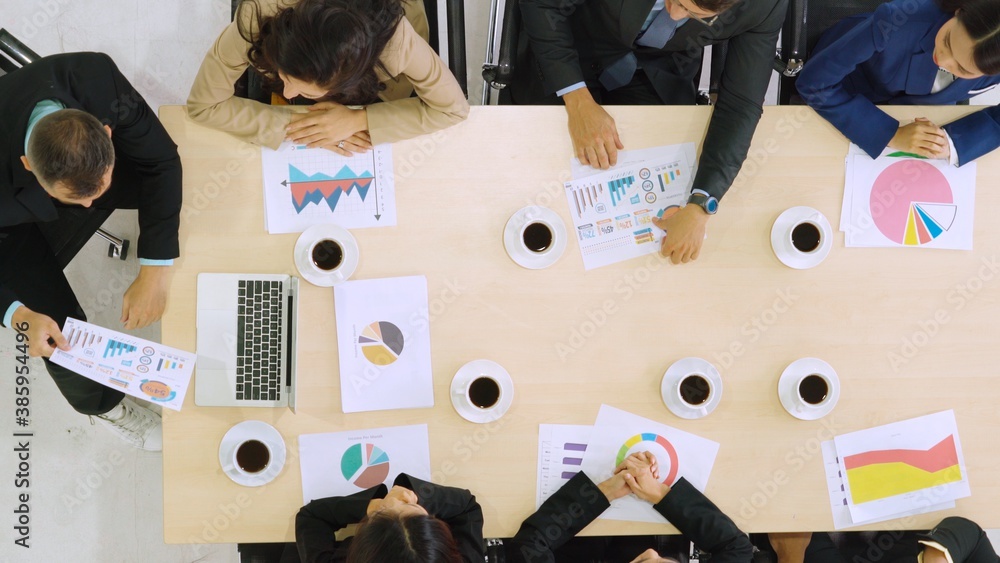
x=135, y=424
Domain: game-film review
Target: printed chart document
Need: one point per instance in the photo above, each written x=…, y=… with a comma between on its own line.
x=838, y=494
x=344, y=463
x=140, y=368
x=618, y=434
x=899, y=199
x=613, y=210
x=902, y=467
x=560, y=456
x=305, y=187
x=383, y=334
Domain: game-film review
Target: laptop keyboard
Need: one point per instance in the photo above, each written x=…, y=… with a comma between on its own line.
x=258, y=341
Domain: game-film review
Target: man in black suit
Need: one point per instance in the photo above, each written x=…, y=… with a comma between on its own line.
x=78, y=137
x=622, y=52
x=542, y=538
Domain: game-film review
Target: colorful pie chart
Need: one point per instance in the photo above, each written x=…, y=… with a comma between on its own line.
x=648, y=441
x=381, y=343
x=365, y=465
x=912, y=203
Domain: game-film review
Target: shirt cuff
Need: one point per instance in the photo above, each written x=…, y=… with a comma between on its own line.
x=149, y=262
x=936, y=546
x=953, y=158
x=571, y=88
x=10, y=313
x=700, y=192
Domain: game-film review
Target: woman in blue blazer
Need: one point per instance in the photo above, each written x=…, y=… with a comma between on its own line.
x=917, y=52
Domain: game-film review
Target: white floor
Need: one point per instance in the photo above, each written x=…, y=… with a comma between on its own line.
x=92, y=498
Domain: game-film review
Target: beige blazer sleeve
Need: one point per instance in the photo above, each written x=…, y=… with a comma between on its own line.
x=411, y=64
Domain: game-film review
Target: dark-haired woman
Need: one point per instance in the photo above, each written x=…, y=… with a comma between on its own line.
x=916, y=52
x=347, y=54
x=414, y=522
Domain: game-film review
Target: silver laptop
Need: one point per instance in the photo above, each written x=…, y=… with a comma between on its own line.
x=246, y=340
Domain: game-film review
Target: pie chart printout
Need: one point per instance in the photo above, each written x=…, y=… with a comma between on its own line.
x=912, y=203
x=381, y=343
x=365, y=465
x=660, y=447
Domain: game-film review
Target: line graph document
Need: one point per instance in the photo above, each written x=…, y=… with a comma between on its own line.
x=305, y=187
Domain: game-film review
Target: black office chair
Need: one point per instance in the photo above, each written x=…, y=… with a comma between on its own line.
x=13, y=55
x=501, y=51
x=251, y=85
x=805, y=22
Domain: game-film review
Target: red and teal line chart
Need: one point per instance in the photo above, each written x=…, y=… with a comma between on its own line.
x=305, y=187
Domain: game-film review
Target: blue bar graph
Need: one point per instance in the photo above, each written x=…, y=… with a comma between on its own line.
x=116, y=348
x=618, y=188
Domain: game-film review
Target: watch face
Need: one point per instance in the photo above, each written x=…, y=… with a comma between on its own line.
x=711, y=205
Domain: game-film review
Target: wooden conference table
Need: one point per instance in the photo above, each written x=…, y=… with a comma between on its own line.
x=737, y=306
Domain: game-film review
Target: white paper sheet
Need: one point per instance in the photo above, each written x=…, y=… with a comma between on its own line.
x=838, y=494
x=910, y=202
x=344, y=463
x=305, y=187
x=630, y=158
x=560, y=456
x=140, y=368
x=618, y=434
x=901, y=467
x=613, y=210
x=383, y=335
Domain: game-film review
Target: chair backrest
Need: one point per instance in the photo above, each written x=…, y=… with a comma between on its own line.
x=13, y=53
x=501, y=46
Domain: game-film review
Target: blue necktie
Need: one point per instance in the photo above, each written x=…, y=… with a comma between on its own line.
x=660, y=30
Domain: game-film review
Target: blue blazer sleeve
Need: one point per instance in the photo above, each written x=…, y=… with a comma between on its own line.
x=975, y=134
x=821, y=83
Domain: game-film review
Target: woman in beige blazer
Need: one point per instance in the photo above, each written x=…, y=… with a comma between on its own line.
x=345, y=53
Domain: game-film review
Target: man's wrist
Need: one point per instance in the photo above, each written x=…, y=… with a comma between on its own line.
x=578, y=99
x=14, y=313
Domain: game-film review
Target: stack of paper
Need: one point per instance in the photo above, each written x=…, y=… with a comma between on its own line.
x=900, y=199
x=564, y=450
x=900, y=469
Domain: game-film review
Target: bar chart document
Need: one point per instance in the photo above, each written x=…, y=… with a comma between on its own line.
x=147, y=370
x=560, y=456
x=305, y=187
x=613, y=211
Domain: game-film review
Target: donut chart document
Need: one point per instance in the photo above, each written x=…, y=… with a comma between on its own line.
x=902, y=200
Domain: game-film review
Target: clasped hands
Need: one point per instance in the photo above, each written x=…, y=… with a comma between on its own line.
x=397, y=496
x=331, y=126
x=639, y=474
x=922, y=137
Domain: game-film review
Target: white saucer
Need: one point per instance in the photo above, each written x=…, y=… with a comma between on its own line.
x=519, y=253
x=788, y=394
x=252, y=430
x=781, y=241
x=304, y=263
x=676, y=373
x=471, y=371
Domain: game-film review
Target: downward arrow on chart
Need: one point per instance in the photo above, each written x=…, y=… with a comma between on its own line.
x=377, y=214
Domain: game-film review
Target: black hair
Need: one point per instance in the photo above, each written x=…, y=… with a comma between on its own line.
x=403, y=539
x=981, y=19
x=71, y=147
x=335, y=44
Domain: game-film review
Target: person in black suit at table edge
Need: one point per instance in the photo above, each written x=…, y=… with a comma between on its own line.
x=577, y=503
x=414, y=522
x=646, y=52
x=80, y=136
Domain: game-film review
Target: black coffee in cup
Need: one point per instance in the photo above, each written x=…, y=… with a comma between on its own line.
x=537, y=237
x=327, y=255
x=484, y=392
x=806, y=237
x=695, y=390
x=252, y=456
x=813, y=389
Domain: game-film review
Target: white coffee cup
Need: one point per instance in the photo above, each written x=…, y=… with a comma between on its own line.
x=537, y=236
x=695, y=390
x=805, y=237
x=482, y=393
x=812, y=391
x=252, y=456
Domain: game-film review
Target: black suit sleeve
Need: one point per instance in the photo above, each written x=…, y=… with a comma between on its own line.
x=561, y=516
x=745, y=76
x=317, y=522
x=965, y=541
x=704, y=524
x=457, y=508
x=551, y=36
x=141, y=141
